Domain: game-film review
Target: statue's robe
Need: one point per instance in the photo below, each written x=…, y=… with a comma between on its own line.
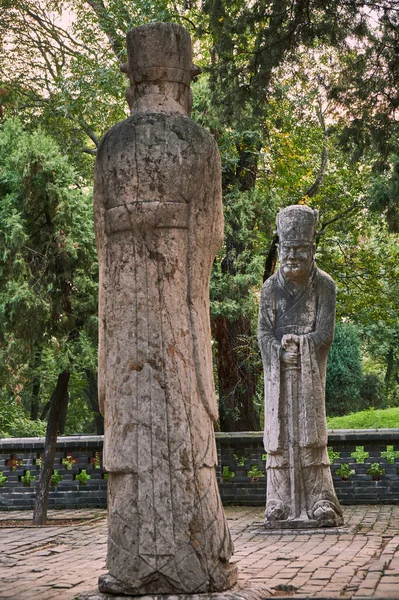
x=159, y=224
x=310, y=314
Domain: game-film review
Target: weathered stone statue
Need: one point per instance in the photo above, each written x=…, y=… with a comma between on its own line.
x=159, y=224
x=296, y=329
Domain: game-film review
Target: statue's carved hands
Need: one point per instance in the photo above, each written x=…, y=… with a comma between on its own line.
x=290, y=349
x=290, y=340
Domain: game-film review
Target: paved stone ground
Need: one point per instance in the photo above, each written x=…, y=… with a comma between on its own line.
x=360, y=561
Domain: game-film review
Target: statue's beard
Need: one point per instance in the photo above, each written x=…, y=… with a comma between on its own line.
x=295, y=270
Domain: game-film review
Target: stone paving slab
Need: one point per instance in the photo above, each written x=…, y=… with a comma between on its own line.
x=359, y=561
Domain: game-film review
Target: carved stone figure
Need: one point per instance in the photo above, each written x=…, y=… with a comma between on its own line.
x=159, y=224
x=296, y=329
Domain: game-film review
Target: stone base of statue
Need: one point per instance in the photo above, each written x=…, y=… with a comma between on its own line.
x=293, y=524
x=299, y=496
x=255, y=593
x=224, y=579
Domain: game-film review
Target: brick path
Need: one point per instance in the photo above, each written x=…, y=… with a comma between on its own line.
x=360, y=561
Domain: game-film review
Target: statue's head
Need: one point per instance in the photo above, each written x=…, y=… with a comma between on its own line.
x=160, y=66
x=296, y=229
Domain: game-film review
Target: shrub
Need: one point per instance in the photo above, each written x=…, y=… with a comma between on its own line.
x=367, y=419
x=375, y=471
x=345, y=471
x=28, y=478
x=83, y=477
x=344, y=372
x=56, y=477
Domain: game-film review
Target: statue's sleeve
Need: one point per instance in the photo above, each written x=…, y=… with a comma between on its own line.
x=323, y=335
x=270, y=350
x=266, y=320
x=99, y=228
x=206, y=237
x=314, y=349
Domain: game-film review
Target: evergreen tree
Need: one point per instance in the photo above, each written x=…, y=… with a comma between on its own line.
x=270, y=68
x=344, y=372
x=48, y=270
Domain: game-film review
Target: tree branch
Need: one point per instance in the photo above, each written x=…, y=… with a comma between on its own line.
x=89, y=132
x=338, y=216
x=116, y=41
x=312, y=191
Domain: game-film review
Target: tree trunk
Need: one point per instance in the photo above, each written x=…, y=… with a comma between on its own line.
x=63, y=414
x=58, y=407
x=35, y=398
x=236, y=378
x=271, y=259
x=91, y=393
x=34, y=406
x=45, y=410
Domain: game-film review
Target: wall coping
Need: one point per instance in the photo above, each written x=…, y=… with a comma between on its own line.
x=84, y=441
x=334, y=435
x=87, y=441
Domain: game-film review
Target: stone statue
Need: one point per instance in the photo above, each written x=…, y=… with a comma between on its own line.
x=159, y=224
x=296, y=329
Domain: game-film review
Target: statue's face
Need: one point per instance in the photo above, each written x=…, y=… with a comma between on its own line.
x=296, y=260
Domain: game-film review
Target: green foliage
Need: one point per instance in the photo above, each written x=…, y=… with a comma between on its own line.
x=366, y=419
x=384, y=193
x=239, y=266
x=255, y=473
x=56, y=477
x=14, y=463
x=80, y=418
x=66, y=77
x=227, y=474
x=28, y=478
x=48, y=274
x=96, y=461
x=390, y=454
x=3, y=479
x=376, y=471
x=15, y=423
x=360, y=454
x=382, y=344
x=371, y=392
x=345, y=471
x=285, y=86
x=69, y=461
x=251, y=41
x=240, y=459
x=83, y=477
x=363, y=260
x=332, y=456
x=368, y=83
x=344, y=371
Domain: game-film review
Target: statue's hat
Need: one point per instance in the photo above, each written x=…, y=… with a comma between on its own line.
x=160, y=51
x=297, y=223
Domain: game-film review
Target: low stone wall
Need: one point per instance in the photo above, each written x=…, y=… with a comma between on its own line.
x=241, y=469
x=17, y=456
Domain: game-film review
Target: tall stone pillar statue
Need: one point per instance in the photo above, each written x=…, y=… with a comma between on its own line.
x=159, y=224
x=296, y=329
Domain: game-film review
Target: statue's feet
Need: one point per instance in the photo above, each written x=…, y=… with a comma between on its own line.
x=276, y=511
x=327, y=514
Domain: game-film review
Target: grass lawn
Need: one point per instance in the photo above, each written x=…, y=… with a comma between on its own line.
x=366, y=419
